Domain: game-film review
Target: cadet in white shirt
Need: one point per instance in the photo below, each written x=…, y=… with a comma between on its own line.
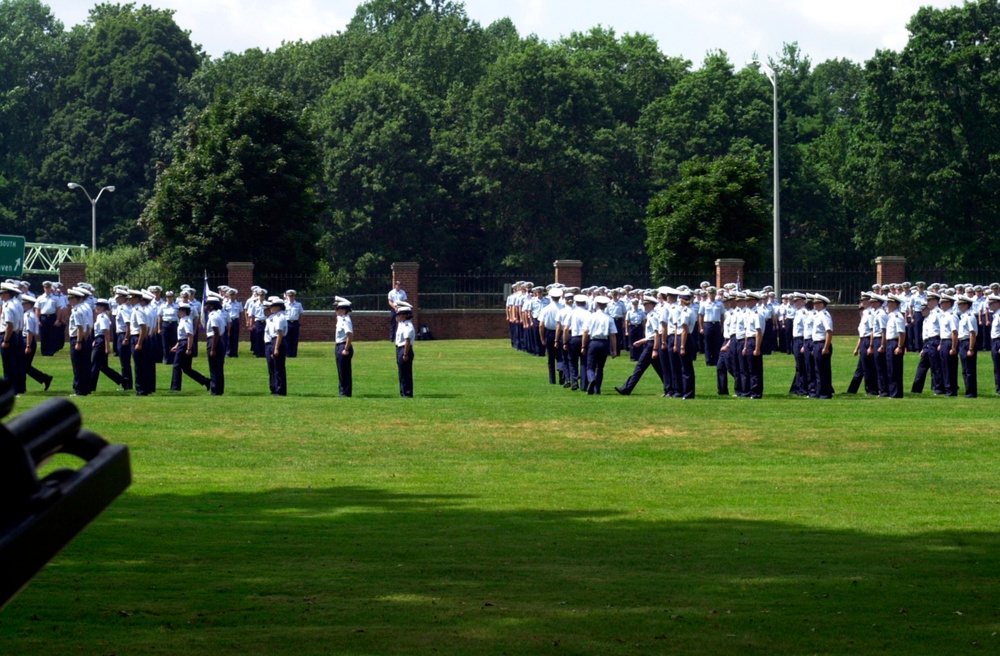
x=293, y=314
x=167, y=318
x=895, y=345
x=645, y=346
x=405, y=335
x=823, y=347
x=684, y=343
x=235, y=310
x=548, y=321
x=47, y=308
x=397, y=295
x=344, y=347
x=275, y=347
x=968, y=343
x=599, y=341
x=145, y=368
x=182, y=352
x=80, y=325
x=216, y=325
x=993, y=302
x=101, y=348
x=948, y=347
x=31, y=337
x=572, y=347
x=929, y=355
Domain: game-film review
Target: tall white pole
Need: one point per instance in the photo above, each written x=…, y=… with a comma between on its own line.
x=777, y=195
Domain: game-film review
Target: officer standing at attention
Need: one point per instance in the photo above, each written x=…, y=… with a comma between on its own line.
x=235, y=310
x=753, y=361
x=344, y=348
x=895, y=345
x=948, y=347
x=259, y=320
x=823, y=347
x=293, y=314
x=216, y=326
x=47, y=310
x=145, y=373
x=101, y=349
x=31, y=340
x=685, y=344
x=182, y=352
x=404, y=348
x=275, y=348
x=993, y=302
x=599, y=341
x=635, y=319
x=397, y=295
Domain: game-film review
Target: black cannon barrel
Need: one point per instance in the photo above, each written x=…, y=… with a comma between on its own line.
x=44, y=429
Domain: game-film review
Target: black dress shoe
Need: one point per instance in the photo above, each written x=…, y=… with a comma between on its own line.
x=621, y=391
x=48, y=381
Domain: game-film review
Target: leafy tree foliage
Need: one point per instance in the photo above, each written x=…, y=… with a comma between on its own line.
x=241, y=188
x=716, y=207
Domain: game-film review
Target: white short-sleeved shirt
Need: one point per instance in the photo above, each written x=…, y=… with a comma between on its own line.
x=405, y=331
x=344, y=326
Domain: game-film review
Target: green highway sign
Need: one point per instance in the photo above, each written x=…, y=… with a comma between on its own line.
x=11, y=256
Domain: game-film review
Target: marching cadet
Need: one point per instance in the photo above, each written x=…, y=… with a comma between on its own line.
x=235, y=310
x=196, y=319
x=710, y=327
x=948, y=346
x=722, y=364
x=687, y=322
x=344, y=347
x=80, y=324
x=168, y=327
x=404, y=348
x=616, y=310
x=797, y=311
x=823, y=347
x=765, y=310
x=216, y=325
x=145, y=372
x=47, y=309
x=865, y=371
x=993, y=301
x=753, y=361
x=895, y=345
x=155, y=336
x=397, y=295
x=929, y=353
x=182, y=352
x=636, y=320
x=101, y=348
x=257, y=322
x=668, y=358
x=599, y=341
x=548, y=322
x=573, y=347
x=563, y=319
x=646, y=346
x=877, y=320
x=121, y=315
x=12, y=347
x=31, y=340
x=293, y=314
x=918, y=301
x=968, y=344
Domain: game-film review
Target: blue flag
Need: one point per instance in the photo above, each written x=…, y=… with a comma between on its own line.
x=204, y=298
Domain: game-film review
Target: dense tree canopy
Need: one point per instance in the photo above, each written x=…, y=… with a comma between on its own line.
x=433, y=138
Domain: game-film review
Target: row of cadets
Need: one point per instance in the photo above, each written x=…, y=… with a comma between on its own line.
x=12, y=346
x=745, y=346
x=216, y=330
x=293, y=314
x=812, y=343
x=275, y=346
x=566, y=306
x=576, y=320
x=53, y=313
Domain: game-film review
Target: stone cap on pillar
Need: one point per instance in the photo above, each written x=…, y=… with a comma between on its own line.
x=240, y=266
x=736, y=262
x=890, y=259
x=405, y=266
x=568, y=264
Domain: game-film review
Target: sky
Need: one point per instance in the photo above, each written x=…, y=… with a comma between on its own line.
x=852, y=29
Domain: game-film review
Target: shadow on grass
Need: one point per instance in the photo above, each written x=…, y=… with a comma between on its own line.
x=358, y=570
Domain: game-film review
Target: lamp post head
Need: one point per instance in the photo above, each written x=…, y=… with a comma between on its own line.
x=110, y=188
x=73, y=185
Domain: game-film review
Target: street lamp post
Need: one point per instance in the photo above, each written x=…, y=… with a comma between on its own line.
x=93, y=209
x=773, y=77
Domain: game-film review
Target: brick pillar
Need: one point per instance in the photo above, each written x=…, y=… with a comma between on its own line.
x=241, y=278
x=71, y=273
x=408, y=274
x=569, y=272
x=729, y=270
x=890, y=269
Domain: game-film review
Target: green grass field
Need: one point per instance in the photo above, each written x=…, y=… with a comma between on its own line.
x=495, y=514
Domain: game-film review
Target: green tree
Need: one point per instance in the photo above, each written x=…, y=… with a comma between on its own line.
x=123, y=91
x=926, y=147
x=378, y=180
x=715, y=208
x=240, y=188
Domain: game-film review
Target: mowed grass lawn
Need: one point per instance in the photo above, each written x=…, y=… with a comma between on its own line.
x=495, y=514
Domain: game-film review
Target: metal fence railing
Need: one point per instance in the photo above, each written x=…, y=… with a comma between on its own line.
x=954, y=276
x=838, y=286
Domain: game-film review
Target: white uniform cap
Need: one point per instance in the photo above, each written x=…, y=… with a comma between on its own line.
x=581, y=298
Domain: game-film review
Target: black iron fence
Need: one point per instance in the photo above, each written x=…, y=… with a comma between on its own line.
x=838, y=286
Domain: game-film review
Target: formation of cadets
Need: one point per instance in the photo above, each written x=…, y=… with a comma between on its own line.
x=576, y=330
x=143, y=328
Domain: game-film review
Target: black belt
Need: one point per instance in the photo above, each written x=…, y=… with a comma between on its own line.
x=713, y=322
x=293, y=321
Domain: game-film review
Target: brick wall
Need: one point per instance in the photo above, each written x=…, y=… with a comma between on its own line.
x=443, y=324
x=71, y=273
x=728, y=270
x=890, y=269
x=568, y=272
x=241, y=277
x=320, y=326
